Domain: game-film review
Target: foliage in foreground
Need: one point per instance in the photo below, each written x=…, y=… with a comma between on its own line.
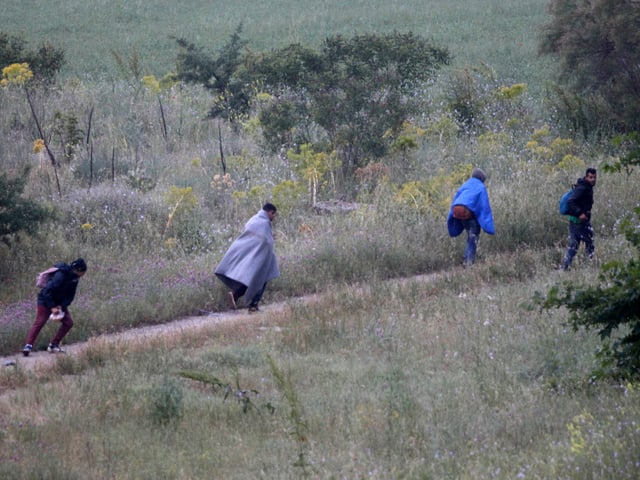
x=611, y=306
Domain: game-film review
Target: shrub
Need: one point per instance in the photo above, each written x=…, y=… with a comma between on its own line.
x=612, y=307
x=18, y=214
x=45, y=62
x=166, y=406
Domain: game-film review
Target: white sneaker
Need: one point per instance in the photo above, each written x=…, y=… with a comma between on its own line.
x=55, y=348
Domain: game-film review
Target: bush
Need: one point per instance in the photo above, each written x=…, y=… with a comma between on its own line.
x=45, y=62
x=18, y=214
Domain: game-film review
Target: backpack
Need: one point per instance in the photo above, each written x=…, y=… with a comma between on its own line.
x=43, y=277
x=563, y=206
x=461, y=212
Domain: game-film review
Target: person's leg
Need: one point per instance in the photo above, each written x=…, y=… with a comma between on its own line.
x=42, y=315
x=65, y=325
x=473, y=232
x=574, y=243
x=257, y=297
x=237, y=289
x=587, y=238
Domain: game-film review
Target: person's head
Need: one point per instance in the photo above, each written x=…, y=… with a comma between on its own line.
x=479, y=174
x=271, y=210
x=79, y=267
x=591, y=176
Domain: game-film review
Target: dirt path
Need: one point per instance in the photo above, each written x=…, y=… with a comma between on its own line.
x=44, y=360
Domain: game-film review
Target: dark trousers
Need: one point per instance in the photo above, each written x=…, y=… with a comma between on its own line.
x=42, y=316
x=239, y=289
x=579, y=232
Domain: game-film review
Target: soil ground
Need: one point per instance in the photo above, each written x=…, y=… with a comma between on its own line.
x=42, y=359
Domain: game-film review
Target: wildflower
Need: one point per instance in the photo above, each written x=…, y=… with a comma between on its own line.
x=151, y=83
x=86, y=226
x=16, y=74
x=38, y=146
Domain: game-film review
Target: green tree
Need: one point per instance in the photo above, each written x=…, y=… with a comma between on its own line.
x=597, y=45
x=613, y=305
x=221, y=74
x=18, y=214
x=354, y=89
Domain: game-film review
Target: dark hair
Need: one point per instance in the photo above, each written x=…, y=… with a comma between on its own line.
x=591, y=170
x=479, y=174
x=79, y=265
x=269, y=207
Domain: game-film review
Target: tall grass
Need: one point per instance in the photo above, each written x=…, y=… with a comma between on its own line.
x=149, y=269
x=453, y=377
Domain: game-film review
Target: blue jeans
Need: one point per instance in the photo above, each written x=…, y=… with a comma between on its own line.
x=473, y=232
x=578, y=232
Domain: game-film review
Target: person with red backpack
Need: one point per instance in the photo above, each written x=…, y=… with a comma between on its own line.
x=54, y=300
x=471, y=211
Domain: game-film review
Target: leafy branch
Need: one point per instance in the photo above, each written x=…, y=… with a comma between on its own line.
x=612, y=307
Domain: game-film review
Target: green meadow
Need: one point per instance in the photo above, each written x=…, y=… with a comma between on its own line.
x=387, y=359
x=499, y=34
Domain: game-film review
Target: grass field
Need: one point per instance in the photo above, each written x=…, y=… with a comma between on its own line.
x=454, y=377
x=500, y=34
x=386, y=375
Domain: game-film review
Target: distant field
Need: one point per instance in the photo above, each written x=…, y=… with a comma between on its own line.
x=498, y=33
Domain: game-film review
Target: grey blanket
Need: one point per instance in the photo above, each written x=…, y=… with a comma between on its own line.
x=251, y=258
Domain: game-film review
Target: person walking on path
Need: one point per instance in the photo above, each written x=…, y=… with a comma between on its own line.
x=54, y=299
x=580, y=230
x=470, y=210
x=250, y=261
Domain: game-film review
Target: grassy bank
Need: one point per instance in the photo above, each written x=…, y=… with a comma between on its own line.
x=453, y=377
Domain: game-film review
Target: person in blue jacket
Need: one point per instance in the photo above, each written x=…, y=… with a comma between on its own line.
x=470, y=210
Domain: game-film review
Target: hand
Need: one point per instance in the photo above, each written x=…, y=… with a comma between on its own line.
x=583, y=217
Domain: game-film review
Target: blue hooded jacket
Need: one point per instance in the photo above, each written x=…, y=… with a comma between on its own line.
x=473, y=195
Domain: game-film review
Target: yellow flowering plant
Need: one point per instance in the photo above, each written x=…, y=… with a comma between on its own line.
x=16, y=74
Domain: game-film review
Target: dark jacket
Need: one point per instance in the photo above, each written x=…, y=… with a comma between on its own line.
x=61, y=288
x=581, y=200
